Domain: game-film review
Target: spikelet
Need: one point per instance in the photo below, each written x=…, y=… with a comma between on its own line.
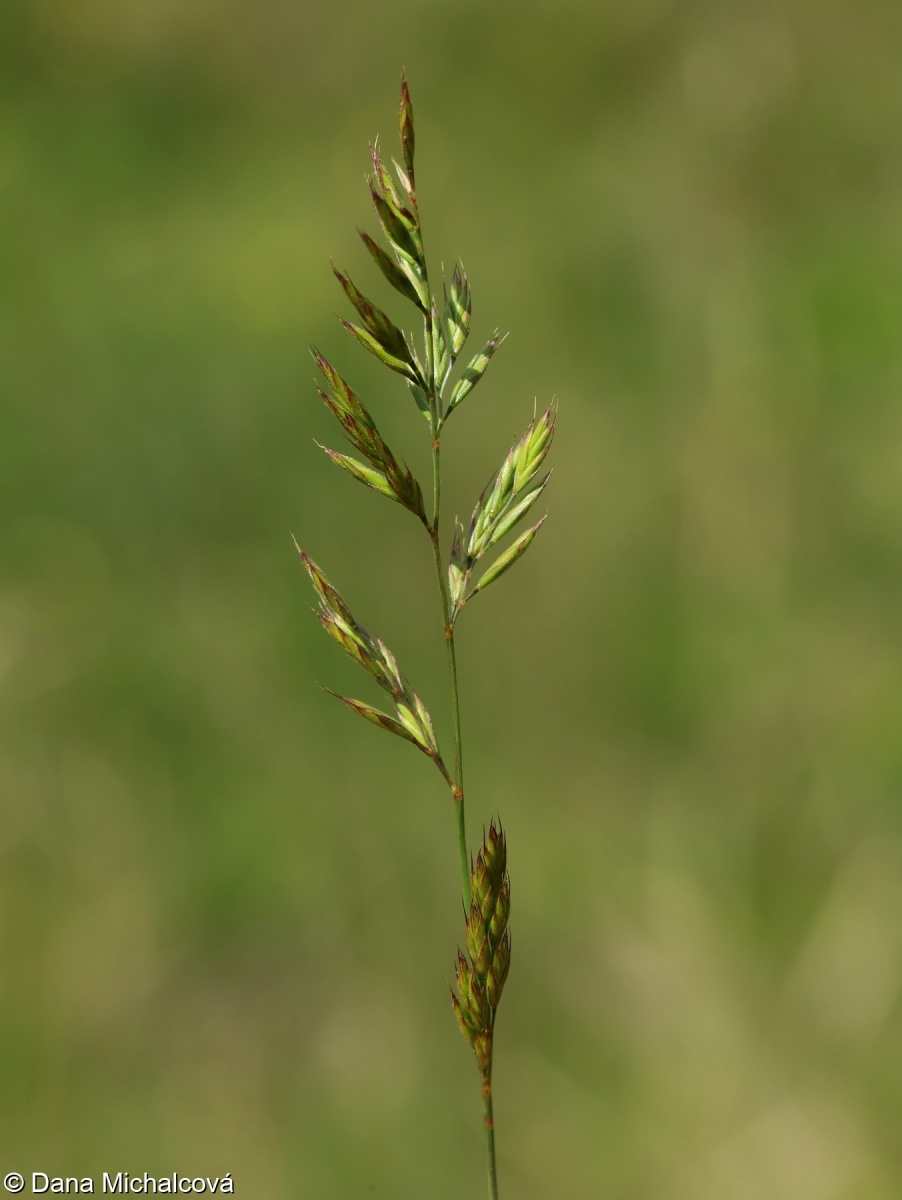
x=482, y=971
x=412, y=720
x=505, y=500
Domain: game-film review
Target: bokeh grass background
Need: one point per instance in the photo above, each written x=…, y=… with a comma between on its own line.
x=229, y=910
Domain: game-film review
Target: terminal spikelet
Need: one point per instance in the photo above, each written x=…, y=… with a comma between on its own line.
x=482, y=971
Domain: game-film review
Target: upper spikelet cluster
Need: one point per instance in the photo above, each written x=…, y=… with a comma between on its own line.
x=426, y=368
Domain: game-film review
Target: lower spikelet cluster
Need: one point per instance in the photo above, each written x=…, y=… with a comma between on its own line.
x=413, y=721
x=481, y=976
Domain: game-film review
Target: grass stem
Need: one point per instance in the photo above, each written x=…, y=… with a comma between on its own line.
x=457, y=790
x=489, y=1123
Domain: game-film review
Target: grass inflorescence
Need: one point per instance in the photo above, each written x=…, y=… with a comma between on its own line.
x=426, y=368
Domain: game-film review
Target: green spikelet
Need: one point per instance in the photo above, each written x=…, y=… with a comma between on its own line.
x=481, y=973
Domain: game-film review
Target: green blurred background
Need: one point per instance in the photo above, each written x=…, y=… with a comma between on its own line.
x=230, y=910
